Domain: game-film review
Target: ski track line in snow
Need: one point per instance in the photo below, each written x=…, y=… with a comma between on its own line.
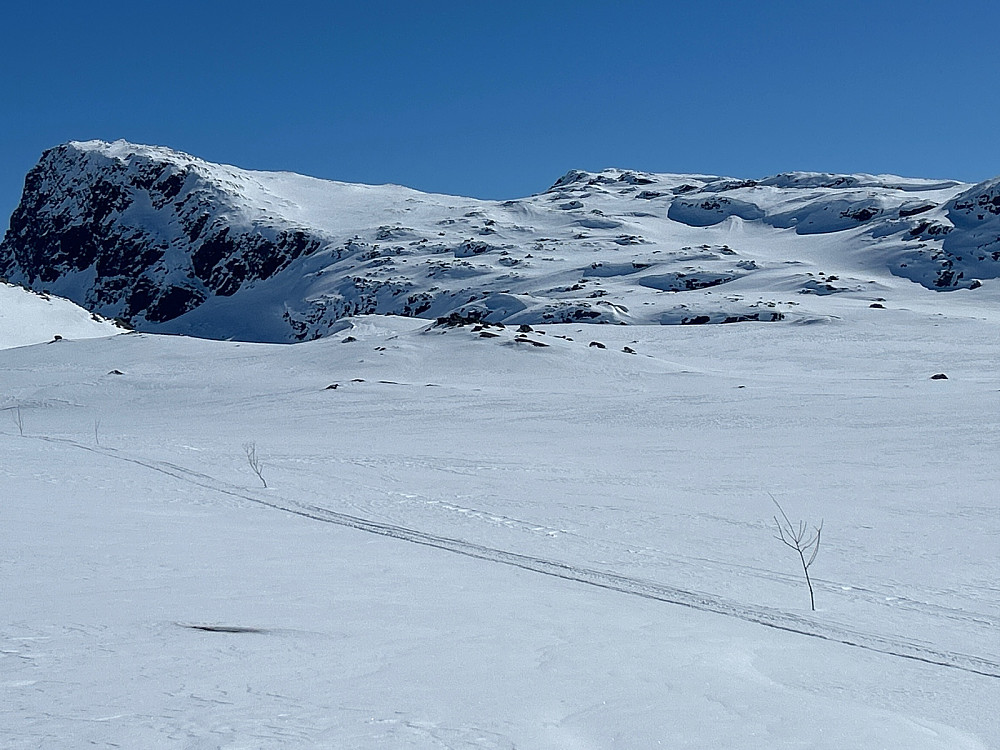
x=857, y=592
x=704, y=602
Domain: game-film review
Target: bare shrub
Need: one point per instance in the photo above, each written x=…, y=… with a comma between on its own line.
x=254, y=460
x=799, y=538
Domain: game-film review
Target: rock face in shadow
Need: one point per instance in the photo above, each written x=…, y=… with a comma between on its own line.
x=144, y=240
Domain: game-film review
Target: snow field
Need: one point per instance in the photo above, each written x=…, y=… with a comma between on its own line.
x=130, y=515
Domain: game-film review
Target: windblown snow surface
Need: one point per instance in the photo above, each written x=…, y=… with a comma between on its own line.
x=475, y=536
x=484, y=542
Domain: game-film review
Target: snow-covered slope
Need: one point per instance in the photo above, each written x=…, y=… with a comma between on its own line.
x=175, y=244
x=501, y=539
x=28, y=317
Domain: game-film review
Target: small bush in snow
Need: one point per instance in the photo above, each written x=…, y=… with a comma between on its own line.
x=254, y=461
x=798, y=538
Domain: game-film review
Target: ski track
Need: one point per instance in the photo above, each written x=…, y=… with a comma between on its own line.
x=701, y=601
x=873, y=596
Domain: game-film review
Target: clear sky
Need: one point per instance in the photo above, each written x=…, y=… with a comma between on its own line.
x=497, y=100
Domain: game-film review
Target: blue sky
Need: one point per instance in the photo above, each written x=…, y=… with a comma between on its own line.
x=498, y=100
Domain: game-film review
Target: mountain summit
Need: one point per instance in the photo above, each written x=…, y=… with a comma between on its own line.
x=171, y=243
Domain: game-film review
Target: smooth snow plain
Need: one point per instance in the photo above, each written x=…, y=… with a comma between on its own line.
x=477, y=542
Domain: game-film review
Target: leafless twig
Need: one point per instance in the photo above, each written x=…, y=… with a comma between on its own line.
x=798, y=538
x=255, y=463
x=18, y=420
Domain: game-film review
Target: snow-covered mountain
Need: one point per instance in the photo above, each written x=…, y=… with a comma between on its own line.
x=421, y=535
x=172, y=243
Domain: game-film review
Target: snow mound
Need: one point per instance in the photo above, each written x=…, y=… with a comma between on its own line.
x=28, y=317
